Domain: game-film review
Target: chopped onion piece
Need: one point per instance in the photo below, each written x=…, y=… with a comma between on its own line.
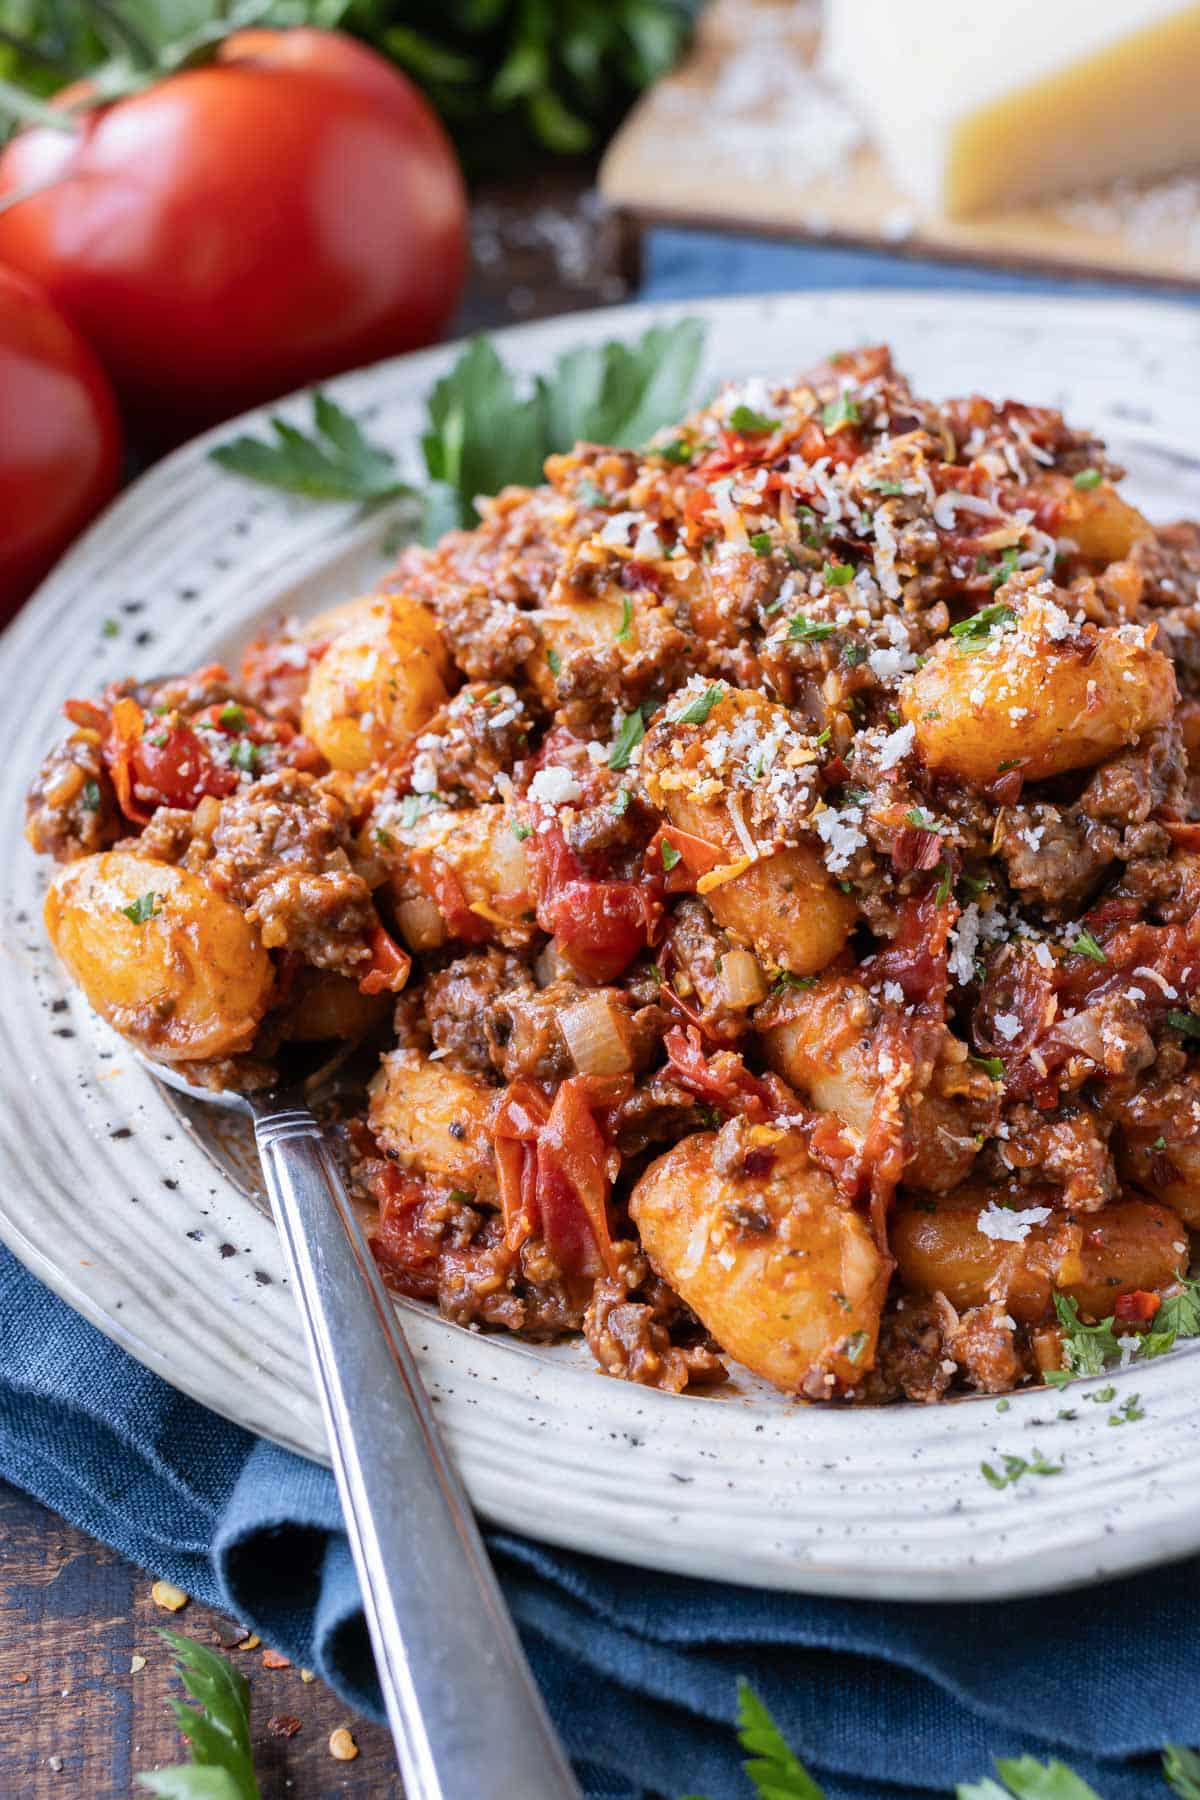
x=421, y=924
x=597, y=1035
x=742, y=980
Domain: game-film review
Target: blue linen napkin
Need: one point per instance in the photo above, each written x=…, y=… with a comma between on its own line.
x=881, y=1700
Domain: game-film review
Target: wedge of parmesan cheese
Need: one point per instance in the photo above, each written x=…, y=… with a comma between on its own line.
x=977, y=108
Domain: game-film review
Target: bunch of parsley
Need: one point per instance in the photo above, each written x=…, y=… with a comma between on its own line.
x=482, y=431
x=511, y=78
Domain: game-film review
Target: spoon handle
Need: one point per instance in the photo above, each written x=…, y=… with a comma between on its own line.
x=463, y=1708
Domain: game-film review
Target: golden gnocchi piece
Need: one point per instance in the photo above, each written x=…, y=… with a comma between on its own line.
x=459, y=875
x=1103, y=527
x=437, y=1121
x=1038, y=696
x=939, y=1248
x=786, y=907
x=1171, y=1174
x=380, y=680
x=322, y=1004
x=752, y=1235
x=176, y=968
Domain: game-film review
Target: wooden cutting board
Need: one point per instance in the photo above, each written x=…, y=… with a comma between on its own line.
x=747, y=135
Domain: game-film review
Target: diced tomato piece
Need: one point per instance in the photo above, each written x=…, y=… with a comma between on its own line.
x=390, y=965
x=1137, y=1308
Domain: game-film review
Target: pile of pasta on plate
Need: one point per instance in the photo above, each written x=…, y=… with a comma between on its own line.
x=769, y=864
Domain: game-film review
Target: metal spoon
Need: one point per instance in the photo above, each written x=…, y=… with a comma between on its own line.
x=468, y=1721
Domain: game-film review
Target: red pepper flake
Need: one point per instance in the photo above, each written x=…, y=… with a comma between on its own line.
x=283, y=1725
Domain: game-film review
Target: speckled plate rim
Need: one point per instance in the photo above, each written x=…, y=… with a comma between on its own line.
x=112, y=1196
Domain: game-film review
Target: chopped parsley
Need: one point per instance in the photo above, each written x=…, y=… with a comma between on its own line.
x=842, y=411
x=624, y=633
x=519, y=831
x=412, y=806
x=1160, y=1143
x=1177, y=1317
x=760, y=543
x=945, y=878
x=243, y=754
x=1086, y=945
x=809, y=631
x=147, y=907
x=824, y=737
x=973, y=633
x=678, y=451
x=837, y=574
x=1087, y=1349
x=384, y=837
x=1128, y=1411
x=630, y=733
x=232, y=716
x=697, y=712
x=588, y=494
x=886, y=487
x=91, y=796
x=745, y=420
x=110, y=628
x=855, y=1345
x=1087, y=479
x=785, y=979
x=921, y=821
x=1017, y=1466
x=554, y=661
x=620, y=804
x=1001, y=571
x=670, y=855
x=1187, y=1022
x=991, y=1065
x=852, y=655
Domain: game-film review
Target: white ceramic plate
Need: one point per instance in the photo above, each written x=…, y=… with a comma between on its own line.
x=112, y=1195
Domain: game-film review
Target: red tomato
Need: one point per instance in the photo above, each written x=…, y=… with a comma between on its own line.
x=60, y=445
x=238, y=230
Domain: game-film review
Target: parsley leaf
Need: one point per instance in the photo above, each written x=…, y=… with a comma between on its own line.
x=1181, y=1768
x=760, y=543
x=618, y=394
x=1086, y=945
x=554, y=662
x=992, y=1065
x=221, y=1766
x=809, y=631
x=1086, y=1348
x=973, y=633
x=678, y=451
x=1177, y=1317
x=244, y=754
x=588, y=494
x=670, y=855
x=519, y=831
x=775, y=1771
x=90, y=796
x=146, y=907
x=624, y=634
x=1187, y=1022
x=630, y=734
x=837, y=574
x=1087, y=479
x=886, y=487
x=745, y=419
x=335, y=462
x=697, y=711
x=842, y=411
x=232, y=716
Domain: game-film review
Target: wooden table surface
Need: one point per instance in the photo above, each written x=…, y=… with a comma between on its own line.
x=80, y=1711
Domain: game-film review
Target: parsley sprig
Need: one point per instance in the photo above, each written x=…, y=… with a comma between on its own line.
x=335, y=461
x=222, y=1765
x=483, y=431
